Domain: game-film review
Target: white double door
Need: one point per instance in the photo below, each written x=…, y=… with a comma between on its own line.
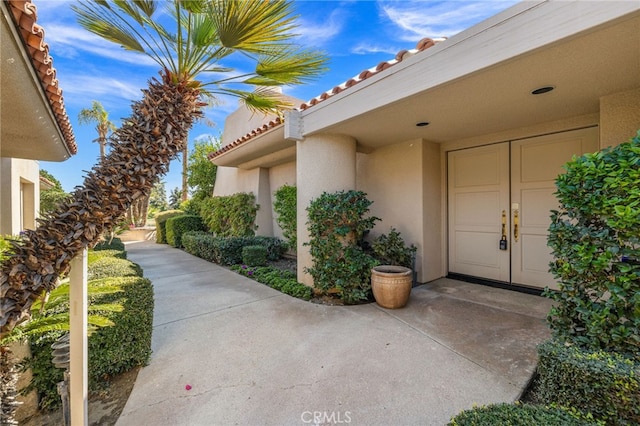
x=505, y=192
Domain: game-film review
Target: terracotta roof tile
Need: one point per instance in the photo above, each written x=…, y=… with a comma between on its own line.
x=402, y=55
x=25, y=16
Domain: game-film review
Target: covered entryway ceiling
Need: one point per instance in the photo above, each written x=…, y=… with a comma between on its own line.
x=584, y=68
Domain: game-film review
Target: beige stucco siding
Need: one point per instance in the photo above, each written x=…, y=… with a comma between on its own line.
x=619, y=117
x=19, y=195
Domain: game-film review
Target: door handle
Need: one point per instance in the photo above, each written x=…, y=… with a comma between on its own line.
x=503, y=239
x=516, y=222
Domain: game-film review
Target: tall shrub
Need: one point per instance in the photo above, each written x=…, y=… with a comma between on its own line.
x=231, y=215
x=595, y=240
x=337, y=221
x=176, y=226
x=161, y=222
x=285, y=206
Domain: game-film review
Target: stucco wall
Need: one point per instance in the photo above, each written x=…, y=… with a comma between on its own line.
x=403, y=181
x=619, y=117
x=14, y=174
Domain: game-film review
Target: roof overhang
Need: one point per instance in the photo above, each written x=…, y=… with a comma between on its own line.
x=480, y=81
x=265, y=150
x=28, y=127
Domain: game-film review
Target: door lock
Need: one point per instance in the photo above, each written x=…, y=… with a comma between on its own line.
x=503, y=240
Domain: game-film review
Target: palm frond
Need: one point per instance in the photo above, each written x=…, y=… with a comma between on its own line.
x=261, y=100
x=289, y=66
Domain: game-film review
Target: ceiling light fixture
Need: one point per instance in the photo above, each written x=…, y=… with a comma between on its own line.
x=422, y=124
x=541, y=90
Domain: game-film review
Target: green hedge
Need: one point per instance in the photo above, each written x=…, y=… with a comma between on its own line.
x=517, y=415
x=254, y=255
x=604, y=384
x=112, y=350
x=127, y=344
x=161, y=220
x=284, y=281
x=93, y=256
x=114, y=244
x=176, y=226
x=228, y=251
x=113, y=267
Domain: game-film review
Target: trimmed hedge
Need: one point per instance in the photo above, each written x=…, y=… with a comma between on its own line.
x=113, y=267
x=176, y=226
x=127, y=344
x=115, y=244
x=93, y=256
x=607, y=385
x=112, y=350
x=228, y=251
x=284, y=281
x=161, y=220
x=231, y=215
x=254, y=255
x=517, y=415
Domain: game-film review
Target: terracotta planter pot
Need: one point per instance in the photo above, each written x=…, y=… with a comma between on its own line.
x=391, y=285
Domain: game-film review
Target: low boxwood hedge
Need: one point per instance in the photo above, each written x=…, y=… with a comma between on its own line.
x=517, y=415
x=113, y=267
x=176, y=226
x=284, y=281
x=254, y=255
x=228, y=250
x=161, y=221
x=112, y=350
x=604, y=384
x=93, y=256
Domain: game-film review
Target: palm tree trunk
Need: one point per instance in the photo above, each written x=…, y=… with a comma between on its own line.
x=146, y=143
x=185, y=185
x=103, y=144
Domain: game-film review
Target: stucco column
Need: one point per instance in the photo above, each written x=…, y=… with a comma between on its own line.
x=325, y=163
x=619, y=117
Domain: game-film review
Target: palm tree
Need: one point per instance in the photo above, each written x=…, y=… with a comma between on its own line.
x=98, y=115
x=206, y=32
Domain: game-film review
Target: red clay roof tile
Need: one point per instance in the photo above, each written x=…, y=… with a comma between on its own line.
x=422, y=45
x=25, y=16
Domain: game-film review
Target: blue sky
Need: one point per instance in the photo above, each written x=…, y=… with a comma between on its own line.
x=354, y=34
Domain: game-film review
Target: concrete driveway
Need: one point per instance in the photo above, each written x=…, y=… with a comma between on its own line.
x=230, y=351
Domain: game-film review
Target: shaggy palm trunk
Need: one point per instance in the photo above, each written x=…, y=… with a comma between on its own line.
x=8, y=387
x=185, y=171
x=141, y=151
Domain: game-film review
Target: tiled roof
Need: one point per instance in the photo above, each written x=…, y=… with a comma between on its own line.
x=25, y=15
x=422, y=45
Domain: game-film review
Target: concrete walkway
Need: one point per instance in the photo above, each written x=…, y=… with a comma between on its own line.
x=254, y=356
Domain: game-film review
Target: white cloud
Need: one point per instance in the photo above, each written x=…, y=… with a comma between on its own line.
x=81, y=87
x=419, y=19
x=317, y=34
x=367, y=48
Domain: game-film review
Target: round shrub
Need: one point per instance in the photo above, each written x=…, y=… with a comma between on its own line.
x=95, y=255
x=517, y=415
x=176, y=226
x=113, y=267
x=161, y=220
x=110, y=244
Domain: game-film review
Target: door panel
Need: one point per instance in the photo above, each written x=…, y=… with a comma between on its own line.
x=478, y=181
x=535, y=164
x=514, y=177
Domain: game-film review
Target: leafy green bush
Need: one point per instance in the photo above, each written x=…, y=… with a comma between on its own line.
x=596, y=245
x=285, y=206
x=274, y=245
x=127, y=344
x=230, y=216
x=93, y=255
x=201, y=244
x=254, y=255
x=176, y=226
x=112, y=350
x=284, y=281
x=336, y=223
x=517, y=415
x=113, y=267
x=161, y=220
x=114, y=244
x=391, y=250
x=607, y=385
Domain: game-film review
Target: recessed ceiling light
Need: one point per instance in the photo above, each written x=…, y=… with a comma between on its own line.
x=541, y=90
x=422, y=124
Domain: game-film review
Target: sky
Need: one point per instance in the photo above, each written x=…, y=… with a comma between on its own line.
x=354, y=34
